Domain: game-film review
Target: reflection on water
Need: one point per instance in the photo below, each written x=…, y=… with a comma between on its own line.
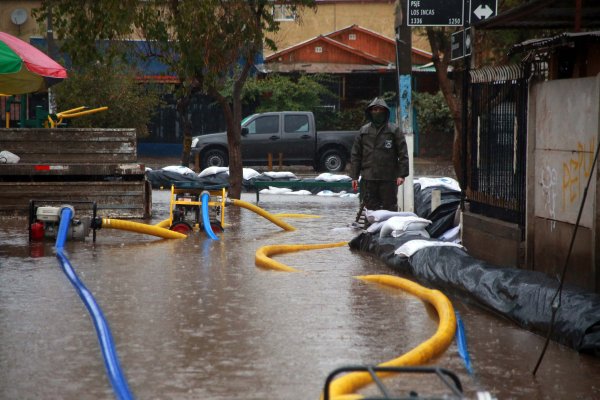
x=195, y=318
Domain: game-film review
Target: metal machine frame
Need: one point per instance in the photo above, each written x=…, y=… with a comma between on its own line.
x=186, y=199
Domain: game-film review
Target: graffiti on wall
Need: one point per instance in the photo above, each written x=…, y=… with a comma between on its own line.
x=576, y=172
x=548, y=181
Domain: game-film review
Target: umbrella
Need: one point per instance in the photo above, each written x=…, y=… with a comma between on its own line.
x=24, y=68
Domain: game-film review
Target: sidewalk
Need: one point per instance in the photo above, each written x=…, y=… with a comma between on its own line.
x=434, y=167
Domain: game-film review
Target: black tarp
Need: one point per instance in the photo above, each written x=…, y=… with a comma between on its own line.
x=164, y=179
x=523, y=296
x=443, y=217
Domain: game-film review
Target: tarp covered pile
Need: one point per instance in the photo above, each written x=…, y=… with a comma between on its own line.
x=412, y=245
x=165, y=177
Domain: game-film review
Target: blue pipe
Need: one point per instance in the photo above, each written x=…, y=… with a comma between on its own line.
x=66, y=215
x=461, y=339
x=205, y=217
x=109, y=354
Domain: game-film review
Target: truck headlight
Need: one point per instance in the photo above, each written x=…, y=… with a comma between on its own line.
x=194, y=142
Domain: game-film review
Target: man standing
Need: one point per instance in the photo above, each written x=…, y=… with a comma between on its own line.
x=380, y=157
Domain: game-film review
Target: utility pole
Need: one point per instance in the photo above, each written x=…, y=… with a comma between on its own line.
x=405, y=117
x=52, y=53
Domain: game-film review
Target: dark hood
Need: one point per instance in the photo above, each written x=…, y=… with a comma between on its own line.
x=377, y=102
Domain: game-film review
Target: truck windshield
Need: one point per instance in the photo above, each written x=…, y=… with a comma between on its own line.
x=245, y=120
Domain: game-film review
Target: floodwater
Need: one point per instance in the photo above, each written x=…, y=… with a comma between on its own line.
x=196, y=319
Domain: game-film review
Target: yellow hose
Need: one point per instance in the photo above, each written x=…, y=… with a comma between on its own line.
x=141, y=228
x=262, y=258
x=263, y=213
x=342, y=387
x=165, y=223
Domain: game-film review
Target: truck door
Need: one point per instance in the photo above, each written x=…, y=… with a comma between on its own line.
x=299, y=138
x=263, y=138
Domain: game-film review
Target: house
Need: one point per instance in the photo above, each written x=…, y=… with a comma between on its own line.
x=363, y=62
x=532, y=137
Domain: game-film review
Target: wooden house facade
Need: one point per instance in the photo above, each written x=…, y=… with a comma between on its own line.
x=363, y=61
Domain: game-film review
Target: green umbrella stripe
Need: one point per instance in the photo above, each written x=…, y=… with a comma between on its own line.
x=10, y=62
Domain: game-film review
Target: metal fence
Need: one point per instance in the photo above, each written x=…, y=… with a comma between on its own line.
x=497, y=133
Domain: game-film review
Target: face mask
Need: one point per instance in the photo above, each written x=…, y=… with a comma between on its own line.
x=379, y=118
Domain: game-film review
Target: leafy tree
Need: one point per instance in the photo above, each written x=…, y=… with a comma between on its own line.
x=282, y=93
x=208, y=44
x=434, y=114
x=130, y=105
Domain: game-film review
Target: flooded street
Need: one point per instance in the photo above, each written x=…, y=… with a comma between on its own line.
x=196, y=319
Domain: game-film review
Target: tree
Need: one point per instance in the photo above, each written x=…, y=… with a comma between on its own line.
x=281, y=93
x=130, y=105
x=208, y=44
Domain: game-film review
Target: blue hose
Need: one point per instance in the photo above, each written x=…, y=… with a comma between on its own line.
x=205, y=217
x=111, y=360
x=66, y=215
x=461, y=339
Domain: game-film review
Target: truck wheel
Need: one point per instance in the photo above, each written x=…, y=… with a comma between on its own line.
x=332, y=161
x=213, y=158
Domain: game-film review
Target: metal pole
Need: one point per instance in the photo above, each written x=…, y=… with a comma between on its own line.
x=404, y=70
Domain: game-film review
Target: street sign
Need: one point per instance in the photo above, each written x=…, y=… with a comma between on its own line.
x=457, y=45
x=435, y=13
x=467, y=41
x=460, y=43
x=482, y=9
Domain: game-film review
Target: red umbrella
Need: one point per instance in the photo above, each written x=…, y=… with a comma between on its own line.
x=24, y=68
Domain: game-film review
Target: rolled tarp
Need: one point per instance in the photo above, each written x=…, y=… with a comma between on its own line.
x=523, y=296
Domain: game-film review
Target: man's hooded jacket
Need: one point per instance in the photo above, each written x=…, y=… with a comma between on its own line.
x=379, y=152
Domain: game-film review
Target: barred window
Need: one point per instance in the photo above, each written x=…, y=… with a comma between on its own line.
x=283, y=12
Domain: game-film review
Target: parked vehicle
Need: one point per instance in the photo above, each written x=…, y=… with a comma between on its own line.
x=291, y=133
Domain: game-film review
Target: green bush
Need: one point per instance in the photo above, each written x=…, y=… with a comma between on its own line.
x=130, y=104
x=433, y=114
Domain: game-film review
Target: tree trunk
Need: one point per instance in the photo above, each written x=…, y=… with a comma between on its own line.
x=183, y=104
x=234, y=142
x=233, y=121
x=440, y=50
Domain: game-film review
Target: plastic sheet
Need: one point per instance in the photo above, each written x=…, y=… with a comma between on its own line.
x=523, y=296
x=443, y=217
x=164, y=179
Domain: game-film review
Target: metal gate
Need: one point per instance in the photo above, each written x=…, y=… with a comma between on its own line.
x=497, y=137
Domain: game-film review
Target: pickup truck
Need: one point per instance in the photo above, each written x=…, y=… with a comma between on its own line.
x=291, y=133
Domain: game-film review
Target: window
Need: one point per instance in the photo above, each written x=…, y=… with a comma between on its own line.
x=318, y=49
x=296, y=123
x=283, y=12
x=267, y=124
x=352, y=36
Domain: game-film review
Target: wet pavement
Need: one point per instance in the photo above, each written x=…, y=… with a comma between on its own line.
x=196, y=319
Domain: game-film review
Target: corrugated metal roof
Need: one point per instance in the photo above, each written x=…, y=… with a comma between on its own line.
x=562, y=39
x=546, y=14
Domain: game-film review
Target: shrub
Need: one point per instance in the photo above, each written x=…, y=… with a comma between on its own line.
x=130, y=104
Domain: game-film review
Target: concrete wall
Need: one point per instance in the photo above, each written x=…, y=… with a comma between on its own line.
x=563, y=136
